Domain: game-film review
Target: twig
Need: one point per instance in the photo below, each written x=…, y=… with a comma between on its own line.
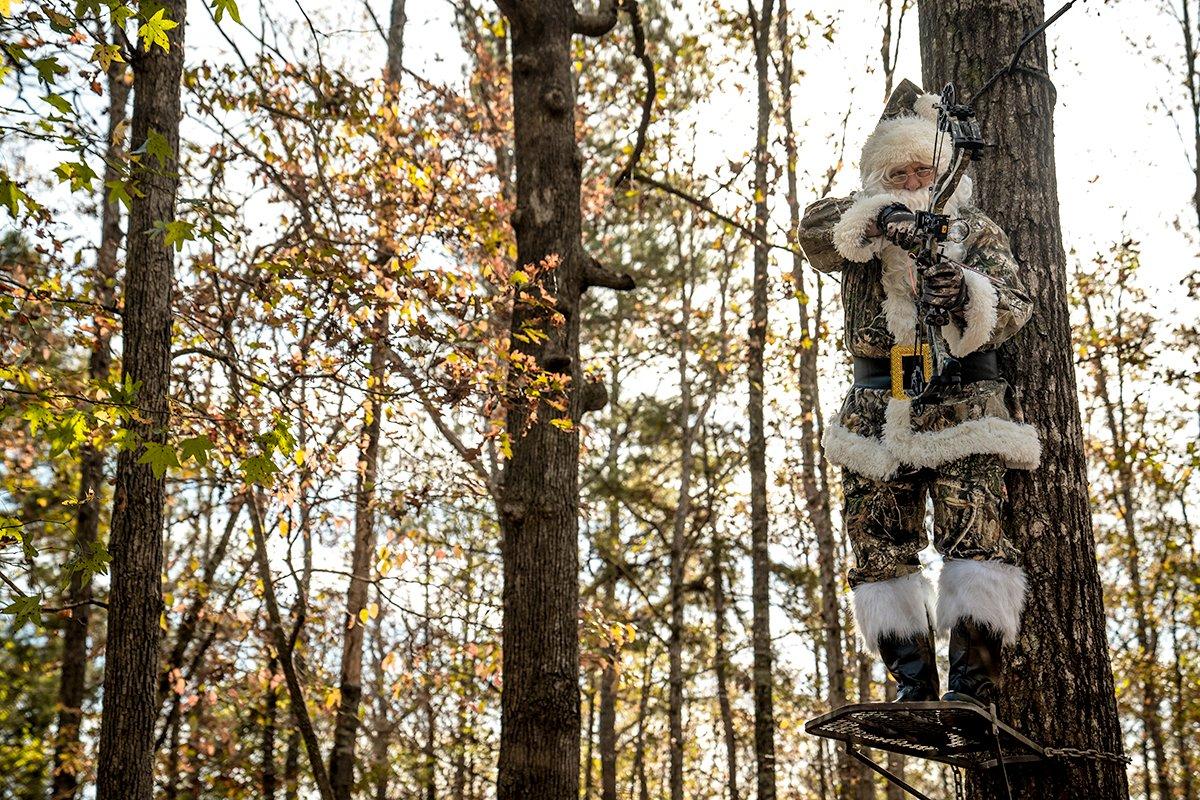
x=639, y=50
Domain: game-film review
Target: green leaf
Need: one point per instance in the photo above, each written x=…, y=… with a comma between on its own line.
x=48, y=69
x=79, y=174
x=70, y=432
x=158, y=146
x=121, y=13
x=176, y=232
x=26, y=608
x=159, y=457
x=259, y=469
x=59, y=102
x=222, y=6
x=93, y=561
x=154, y=31
x=195, y=448
x=11, y=196
x=118, y=191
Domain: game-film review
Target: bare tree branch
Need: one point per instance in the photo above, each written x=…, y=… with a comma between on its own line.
x=639, y=50
x=599, y=23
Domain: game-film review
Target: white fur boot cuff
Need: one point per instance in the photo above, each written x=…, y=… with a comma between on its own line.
x=899, y=607
x=989, y=592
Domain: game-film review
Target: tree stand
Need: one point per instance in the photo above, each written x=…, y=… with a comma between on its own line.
x=958, y=734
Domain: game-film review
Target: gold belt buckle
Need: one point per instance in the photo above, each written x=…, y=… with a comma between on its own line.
x=901, y=352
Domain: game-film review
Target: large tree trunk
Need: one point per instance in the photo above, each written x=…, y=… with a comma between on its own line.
x=73, y=678
x=539, y=495
x=125, y=764
x=1064, y=695
x=760, y=591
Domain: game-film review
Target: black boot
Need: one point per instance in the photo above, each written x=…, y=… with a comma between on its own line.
x=912, y=663
x=974, y=663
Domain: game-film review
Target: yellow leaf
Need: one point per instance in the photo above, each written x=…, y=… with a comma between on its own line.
x=6, y=7
x=154, y=32
x=372, y=611
x=364, y=615
x=332, y=699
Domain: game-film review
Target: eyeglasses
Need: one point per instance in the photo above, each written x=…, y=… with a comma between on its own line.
x=899, y=177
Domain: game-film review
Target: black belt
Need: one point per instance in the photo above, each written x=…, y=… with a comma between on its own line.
x=876, y=373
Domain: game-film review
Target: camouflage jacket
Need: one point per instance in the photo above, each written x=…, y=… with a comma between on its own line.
x=876, y=434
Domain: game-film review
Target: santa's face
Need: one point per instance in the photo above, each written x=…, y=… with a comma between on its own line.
x=910, y=177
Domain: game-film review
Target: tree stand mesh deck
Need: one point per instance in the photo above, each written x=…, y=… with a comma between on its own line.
x=959, y=734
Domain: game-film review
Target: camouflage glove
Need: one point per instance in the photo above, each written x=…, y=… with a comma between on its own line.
x=897, y=223
x=943, y=286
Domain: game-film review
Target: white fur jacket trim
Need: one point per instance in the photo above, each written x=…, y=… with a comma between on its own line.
x=1015, y=442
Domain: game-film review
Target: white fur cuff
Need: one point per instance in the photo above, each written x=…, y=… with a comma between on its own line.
x=980, y=314
x=899, y=607
x=989, y=592
x=849, y=233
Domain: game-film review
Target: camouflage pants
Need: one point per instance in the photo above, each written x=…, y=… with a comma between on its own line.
x=885, y=520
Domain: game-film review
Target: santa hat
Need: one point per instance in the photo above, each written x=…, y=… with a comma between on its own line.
x=905, y=133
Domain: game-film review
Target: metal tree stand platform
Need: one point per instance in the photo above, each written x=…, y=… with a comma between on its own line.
x=959, y=734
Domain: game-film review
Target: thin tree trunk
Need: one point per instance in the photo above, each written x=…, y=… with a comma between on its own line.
x=73, y=677
x=895, y=761
x=610, y=548
x=283, y=647
x=721, y=662
x=395, y=42
x=1179, y=707
x=678, y=549
x=1146, y=639
x=539, y=493
x=639, y=751
x=126, y=758
x=863, y=781
x=345, y=732
x=764, y=712
x=171, y=790
x=268, y=741
x=291, y=767
x=816, y=500
x=1064, y=696
x=589, y=742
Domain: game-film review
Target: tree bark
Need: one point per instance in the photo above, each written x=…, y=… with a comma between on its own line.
x=678, y=544
x=126, y=756
x=73, y=677
x=1064, y=695
x=721, y=662
x=764, y=712
x=270, y=703
x=816, y=500
x=345, y=732
x=539, y=494
x=395, y=42
x=1146, y=635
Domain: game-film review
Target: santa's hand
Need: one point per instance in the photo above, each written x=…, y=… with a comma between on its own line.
x=943, y=286
x=898, y=224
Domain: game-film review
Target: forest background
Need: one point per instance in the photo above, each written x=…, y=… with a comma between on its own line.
x=341, y=365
